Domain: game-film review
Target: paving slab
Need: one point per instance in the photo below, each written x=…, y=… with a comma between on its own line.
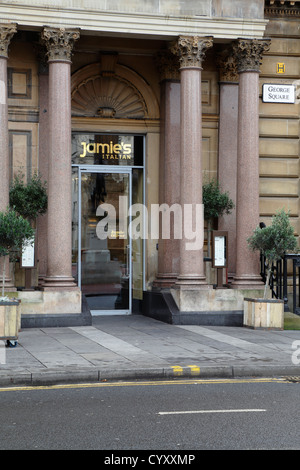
x=137, y=347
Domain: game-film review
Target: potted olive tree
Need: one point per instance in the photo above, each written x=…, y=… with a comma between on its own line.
x=216, y=203
x=29, y=200
x=273, y=241
x=14, y=231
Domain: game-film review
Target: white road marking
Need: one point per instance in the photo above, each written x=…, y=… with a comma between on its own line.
x=209, y=411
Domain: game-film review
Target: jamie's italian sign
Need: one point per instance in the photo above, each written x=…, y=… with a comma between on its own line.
x=107, y=151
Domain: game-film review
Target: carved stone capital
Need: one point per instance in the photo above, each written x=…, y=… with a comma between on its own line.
x=191, y=50
x=41, y=55
x=6, y=33
x=227, y=65
x=249, y=52
x=59, y=43
x=167, y=65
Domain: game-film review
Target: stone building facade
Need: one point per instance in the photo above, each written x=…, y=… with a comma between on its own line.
x=125, y=108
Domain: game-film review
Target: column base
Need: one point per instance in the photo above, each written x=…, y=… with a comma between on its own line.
x=247, y=282
x=192, y=282
x=8, y=286
x=164, y=281
x=8, y=289
x=59, y=282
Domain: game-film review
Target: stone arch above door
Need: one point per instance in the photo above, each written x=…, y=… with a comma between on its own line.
x=110, y=90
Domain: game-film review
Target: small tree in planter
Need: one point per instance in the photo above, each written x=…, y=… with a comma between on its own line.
x=14, y=231
x=29, y=200
x=273, y=242
x=216, y=203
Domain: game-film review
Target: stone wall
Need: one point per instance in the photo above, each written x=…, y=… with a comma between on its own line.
x=279, y=125
x=208, y=8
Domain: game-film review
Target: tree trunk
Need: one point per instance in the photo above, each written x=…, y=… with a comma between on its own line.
x=267, y=282
x=3, y=275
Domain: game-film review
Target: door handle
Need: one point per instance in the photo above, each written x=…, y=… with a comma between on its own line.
x=127, y=260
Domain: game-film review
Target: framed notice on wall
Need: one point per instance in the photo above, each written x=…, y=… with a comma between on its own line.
x=28, y=254
x=219, y=249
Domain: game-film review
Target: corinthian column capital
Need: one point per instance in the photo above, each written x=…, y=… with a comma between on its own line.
x=227, y=65
x=191, y=50
x=59, y=43
x=167, y=65
x=249, y=53
x=6, y=33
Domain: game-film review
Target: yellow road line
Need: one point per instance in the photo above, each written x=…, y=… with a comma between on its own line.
x=177, y=370
x=195, y=370
x=141, y=383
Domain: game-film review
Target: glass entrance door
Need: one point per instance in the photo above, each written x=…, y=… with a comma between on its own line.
x=104, y=248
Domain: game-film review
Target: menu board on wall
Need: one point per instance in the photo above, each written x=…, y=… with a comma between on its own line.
x=219, y=249
x=28, y=254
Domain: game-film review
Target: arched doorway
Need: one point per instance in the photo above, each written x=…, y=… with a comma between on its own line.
x=111, y=109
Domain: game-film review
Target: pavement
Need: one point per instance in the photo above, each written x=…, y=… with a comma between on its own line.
x=137, y=347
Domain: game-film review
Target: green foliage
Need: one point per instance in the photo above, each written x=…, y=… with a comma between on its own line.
x=216, y=202
x=14, y=230
x=291, y=321
x=28, y=200
x=276, y=239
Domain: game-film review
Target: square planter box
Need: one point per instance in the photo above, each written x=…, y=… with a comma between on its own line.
x=10, y=319
x=261, y=313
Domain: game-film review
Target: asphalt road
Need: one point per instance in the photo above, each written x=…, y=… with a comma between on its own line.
x=174, y=416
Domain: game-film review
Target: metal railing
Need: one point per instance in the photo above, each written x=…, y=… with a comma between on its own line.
x=285, y=284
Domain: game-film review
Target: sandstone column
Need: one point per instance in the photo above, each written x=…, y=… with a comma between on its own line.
x=59, y=43
x=169, y=177
x=191, y=52
x=249, y=54
x=42, y=222
x=6, y=33
x=227, y=164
